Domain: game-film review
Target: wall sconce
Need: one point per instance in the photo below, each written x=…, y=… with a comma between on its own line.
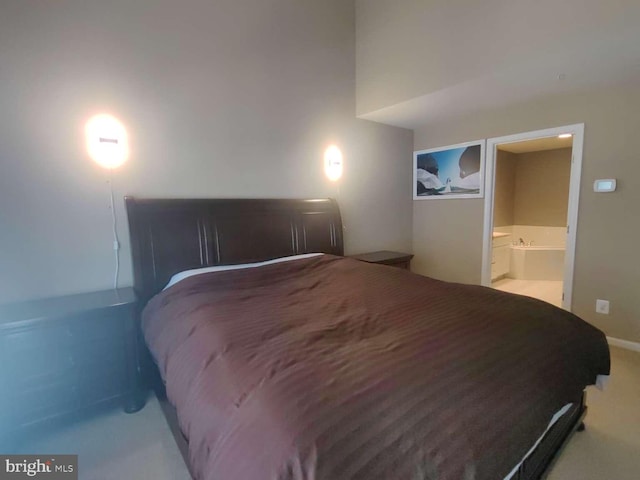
x=108, y=146
x=107, y=142
x=333, y=163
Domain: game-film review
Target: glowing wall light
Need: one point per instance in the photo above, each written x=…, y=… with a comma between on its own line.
x=107, y=142
x=333, y=162
x=108, y=146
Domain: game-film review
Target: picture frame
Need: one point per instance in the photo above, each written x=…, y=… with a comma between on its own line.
x=454, y=171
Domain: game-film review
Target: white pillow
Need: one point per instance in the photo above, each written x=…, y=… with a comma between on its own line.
x=219, y=268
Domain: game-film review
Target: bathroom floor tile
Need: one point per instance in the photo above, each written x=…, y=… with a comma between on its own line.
x=547, y=290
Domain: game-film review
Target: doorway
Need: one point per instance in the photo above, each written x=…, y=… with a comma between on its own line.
x=532, y=188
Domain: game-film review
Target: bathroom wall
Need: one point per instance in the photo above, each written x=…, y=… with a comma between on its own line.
x=503, y=211
x=532, y=188
x=542, y=188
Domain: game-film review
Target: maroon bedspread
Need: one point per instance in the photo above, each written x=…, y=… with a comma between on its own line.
x=329, y=368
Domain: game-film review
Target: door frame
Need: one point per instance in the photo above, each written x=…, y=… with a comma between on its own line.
x=574, y=197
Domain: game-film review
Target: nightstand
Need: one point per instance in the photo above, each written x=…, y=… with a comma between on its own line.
x=63, y=355
x=385, y=257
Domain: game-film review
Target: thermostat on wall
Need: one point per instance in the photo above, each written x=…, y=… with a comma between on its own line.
x=604, y=185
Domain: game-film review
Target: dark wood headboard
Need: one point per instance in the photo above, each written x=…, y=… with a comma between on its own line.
x=172, y=235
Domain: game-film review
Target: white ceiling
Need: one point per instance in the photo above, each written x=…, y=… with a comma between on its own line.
x=571, y=68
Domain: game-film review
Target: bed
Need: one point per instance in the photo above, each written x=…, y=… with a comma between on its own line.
x=323, y=367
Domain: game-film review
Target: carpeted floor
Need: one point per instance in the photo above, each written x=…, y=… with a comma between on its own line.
x=609, y=448
x=140, y=446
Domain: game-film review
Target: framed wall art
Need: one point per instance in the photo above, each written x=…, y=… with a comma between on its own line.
x=455, y=171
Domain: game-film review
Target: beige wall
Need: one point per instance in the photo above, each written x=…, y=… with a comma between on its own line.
x=448, y=234
x=411, y=48
x=532, y=188
x=221, y=99
x=542, y=188
x=505, y=189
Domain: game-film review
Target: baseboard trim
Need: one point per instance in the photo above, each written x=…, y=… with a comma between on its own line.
x=617, y=342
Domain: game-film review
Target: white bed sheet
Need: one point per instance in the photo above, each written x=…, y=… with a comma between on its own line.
x=178, y=277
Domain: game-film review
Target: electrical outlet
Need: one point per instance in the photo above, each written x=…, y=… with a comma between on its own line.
x=602, y=306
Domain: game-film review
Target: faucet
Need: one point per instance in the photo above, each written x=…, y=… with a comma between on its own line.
x=521, y=243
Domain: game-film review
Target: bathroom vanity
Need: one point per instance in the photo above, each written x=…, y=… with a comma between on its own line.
x=501, y=255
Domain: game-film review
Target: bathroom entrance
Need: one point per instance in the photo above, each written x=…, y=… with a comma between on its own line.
x=531, y=204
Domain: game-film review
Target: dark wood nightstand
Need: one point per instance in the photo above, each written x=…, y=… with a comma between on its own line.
x=62, y=355
x=385, y=257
